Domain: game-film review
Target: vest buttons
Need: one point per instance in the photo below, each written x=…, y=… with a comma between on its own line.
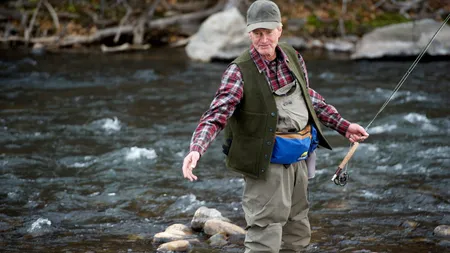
x=270, y=129
x=262, y=170
x=273, y=114
x=269, y=143
x=266, y=155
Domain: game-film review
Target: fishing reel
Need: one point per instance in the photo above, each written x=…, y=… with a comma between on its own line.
x=341, y=175
x=341, y=179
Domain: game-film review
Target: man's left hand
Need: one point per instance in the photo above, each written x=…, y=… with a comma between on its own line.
x=356, y=133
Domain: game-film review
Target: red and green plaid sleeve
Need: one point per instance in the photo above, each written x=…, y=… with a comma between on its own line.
x=222, y=107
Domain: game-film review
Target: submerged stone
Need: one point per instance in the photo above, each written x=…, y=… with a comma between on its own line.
x=442, y=231
x=218, y=240
x=180, y=245
x=409, y=224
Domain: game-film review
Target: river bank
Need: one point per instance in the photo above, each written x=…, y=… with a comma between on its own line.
x=125, y=26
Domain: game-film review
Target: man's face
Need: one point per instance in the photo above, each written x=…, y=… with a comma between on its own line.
x=265, y=41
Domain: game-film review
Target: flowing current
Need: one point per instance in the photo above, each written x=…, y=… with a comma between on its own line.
x=91, y=147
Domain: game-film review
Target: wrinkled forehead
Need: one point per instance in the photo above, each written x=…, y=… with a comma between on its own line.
x=263, y=30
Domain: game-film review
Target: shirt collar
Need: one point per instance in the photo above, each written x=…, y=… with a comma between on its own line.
x=261, y=63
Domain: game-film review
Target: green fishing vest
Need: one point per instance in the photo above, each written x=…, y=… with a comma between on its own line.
x=250, y=131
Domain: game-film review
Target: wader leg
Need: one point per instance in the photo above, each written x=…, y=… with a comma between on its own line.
x=297, y=232
x=267, y=205
x=263, y=239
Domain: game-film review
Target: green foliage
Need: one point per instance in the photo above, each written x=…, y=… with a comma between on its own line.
x=71, y=8
x=387, y=19
x=312, y=20
x=350, y=27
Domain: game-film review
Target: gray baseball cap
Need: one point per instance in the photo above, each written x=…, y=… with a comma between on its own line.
x=263, y=14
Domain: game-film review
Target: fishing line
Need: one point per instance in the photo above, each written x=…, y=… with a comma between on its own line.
x=411, y=68
x=341, y=176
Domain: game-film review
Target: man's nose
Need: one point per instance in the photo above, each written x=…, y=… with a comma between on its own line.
x=264, y=37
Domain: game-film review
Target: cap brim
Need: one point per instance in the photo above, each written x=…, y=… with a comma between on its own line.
x=265, y=25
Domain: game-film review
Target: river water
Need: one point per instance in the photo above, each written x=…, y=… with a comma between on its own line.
x=91, y=147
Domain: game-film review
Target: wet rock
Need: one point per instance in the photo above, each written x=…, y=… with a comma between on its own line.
x=296, y=42
x=179, y=245
x=179, y=229
x=218, y=240
x=339, y=45
x=442, y=231
x=164, y=237
x=204, y=214
x=405, y=39
x=222, y=232
x=173, y=233
x=409, y=224
x=135, y=237
x=38, y=49
x=315, y=43
x=221, y=36
x=215, y=226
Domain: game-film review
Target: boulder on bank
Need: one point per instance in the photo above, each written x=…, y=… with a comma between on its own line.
x=221, y=36
x=405, y=39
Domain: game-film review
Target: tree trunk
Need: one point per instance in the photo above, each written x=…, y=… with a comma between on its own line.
x=139, y=31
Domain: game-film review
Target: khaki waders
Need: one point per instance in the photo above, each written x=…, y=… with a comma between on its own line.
x=276, y=209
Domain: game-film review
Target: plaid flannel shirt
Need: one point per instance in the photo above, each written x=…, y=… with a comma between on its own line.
x=231, y=91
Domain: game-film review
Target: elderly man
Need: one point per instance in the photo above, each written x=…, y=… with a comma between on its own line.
x=264, y=102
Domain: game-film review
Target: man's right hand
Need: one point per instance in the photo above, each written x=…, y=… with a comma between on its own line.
x=189, y=164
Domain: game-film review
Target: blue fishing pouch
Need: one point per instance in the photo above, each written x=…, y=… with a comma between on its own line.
x=293, y=147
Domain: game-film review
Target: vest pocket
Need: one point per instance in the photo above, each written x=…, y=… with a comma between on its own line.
x=244, y=155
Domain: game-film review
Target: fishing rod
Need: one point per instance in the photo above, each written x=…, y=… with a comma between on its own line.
x=340, y=177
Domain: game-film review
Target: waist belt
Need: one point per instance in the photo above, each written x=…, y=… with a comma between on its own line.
x=293, y=147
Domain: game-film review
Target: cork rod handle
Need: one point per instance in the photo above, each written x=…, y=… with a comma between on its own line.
x=349, y=155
